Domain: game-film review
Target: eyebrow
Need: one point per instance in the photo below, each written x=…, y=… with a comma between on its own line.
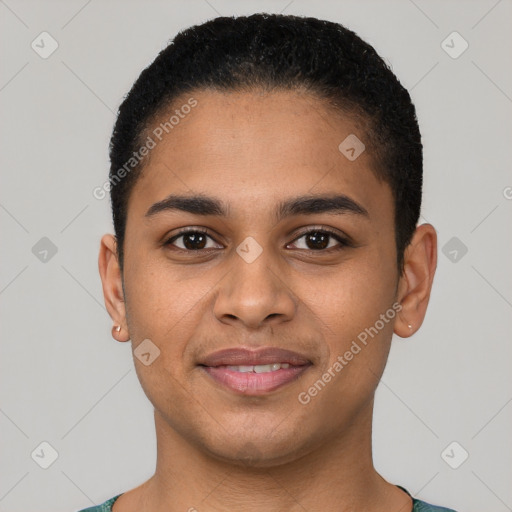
x=302, y=205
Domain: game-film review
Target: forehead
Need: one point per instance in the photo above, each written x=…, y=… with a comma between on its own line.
x=249, y=147
x=251, y=126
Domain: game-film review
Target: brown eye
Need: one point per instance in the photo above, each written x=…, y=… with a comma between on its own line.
x=317, y=240
x=191, y=240
x=320, y=240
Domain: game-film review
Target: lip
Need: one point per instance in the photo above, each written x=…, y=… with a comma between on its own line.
x=249, y=383
x=243, y=356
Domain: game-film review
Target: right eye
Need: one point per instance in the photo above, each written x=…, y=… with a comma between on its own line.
x=192, y=240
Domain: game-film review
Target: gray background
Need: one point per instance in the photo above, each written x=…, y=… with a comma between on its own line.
x=66, y=382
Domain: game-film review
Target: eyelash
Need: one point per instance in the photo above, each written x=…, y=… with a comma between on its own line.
x=343, y=242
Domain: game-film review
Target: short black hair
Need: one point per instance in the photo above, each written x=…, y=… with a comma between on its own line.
x=279, y=52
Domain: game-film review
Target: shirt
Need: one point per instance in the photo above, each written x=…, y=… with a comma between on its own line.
x=418, y=505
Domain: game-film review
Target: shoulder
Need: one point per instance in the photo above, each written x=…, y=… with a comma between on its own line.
x=422, y=506
x=103, y=507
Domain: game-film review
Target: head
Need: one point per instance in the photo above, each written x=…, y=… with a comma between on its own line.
x=290, y=140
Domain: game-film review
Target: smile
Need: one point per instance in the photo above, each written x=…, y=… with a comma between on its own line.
x=255, y=380
x=259, y=368
x=254, y=372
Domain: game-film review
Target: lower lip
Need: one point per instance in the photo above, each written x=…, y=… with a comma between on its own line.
x=251, y=383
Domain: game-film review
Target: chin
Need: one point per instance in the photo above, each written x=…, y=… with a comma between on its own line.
x=258, y=453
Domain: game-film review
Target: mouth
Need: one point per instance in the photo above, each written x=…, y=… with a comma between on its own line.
x=250, y=372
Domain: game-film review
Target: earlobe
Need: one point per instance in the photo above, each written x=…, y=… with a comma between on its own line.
x=420, y=261
x=118, y=335
x=111, y=280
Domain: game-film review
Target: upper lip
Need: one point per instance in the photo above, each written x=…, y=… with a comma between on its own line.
x=248, y=357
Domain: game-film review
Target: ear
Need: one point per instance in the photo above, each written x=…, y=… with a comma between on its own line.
x=112, y=283
x=415, y=284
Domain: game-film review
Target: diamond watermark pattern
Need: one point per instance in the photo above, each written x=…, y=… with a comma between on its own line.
x=44, y=250
x=44, y=45
x=454, y=249
x=249, y=454
x=454, y=45
x=44, y=455
x=249, y=250
x=146, y=352
x=454, y=455
x=351, y=147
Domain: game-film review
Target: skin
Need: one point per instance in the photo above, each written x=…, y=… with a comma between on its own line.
x=218, y=450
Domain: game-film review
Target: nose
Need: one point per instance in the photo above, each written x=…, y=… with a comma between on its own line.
x=255, y=293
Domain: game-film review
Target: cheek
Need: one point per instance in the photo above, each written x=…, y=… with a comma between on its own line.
x=156, y=297
x=166, y=306
x=348, y=306
x=352, y=297
x=347, y=310
x=165, y=310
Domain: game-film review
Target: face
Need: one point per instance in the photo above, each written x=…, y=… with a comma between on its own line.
x=255, y=274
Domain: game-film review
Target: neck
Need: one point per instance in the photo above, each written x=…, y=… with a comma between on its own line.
x=337, y=475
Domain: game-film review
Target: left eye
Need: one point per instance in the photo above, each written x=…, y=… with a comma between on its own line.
x=318, y=239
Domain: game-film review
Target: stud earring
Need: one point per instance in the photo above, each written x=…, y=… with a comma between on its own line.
x=410, y=326
x=118, y=328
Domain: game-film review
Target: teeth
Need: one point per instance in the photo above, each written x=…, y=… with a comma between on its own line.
x=264, y=368
x=259, y=368
x=245, y=369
